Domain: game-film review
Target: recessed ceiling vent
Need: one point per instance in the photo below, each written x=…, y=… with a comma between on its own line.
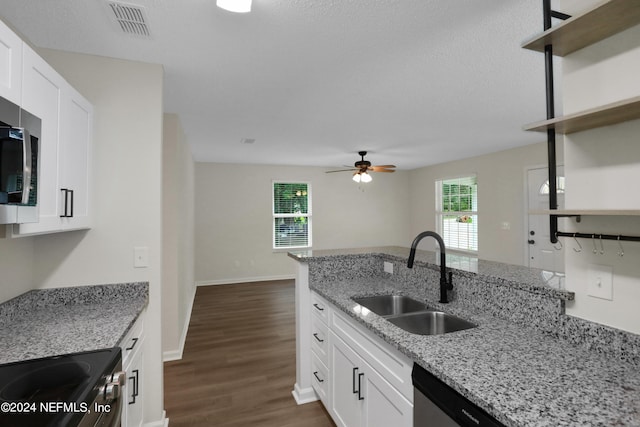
x=130, y=18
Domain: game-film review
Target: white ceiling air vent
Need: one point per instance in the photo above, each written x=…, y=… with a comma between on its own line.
x=130, y=18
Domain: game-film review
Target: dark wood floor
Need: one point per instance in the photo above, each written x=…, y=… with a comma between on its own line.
x=238, y=366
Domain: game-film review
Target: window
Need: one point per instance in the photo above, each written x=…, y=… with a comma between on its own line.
x=457, y=212
x=291, y=215
x=545, y=187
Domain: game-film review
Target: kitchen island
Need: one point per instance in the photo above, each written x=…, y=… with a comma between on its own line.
x=49, y=322
x=526, y=363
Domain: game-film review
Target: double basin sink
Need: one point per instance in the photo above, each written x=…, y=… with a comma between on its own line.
x=413, y=316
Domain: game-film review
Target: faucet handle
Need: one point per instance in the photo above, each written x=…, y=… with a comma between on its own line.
x=450, y=283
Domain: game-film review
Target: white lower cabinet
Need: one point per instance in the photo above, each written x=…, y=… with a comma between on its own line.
x=361, y=380
x=132, y=364
x=319, y=348
x=347, y=369
x=359, y=395
x=383, y=405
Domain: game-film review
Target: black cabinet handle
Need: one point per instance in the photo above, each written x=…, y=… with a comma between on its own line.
x=315, y=374
x=134, y=389
x=360, y=386
x=65, y=202
x=68, y=203
x=135, y=341
x=318, y=307
x=316, y=336
x=353, y=380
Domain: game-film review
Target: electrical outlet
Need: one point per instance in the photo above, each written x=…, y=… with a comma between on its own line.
x=388, y=267
x=141, y=257
x=600, y=281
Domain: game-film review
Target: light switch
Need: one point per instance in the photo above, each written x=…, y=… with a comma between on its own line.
x=388, y=267
x=600, y=281
x=141, y=257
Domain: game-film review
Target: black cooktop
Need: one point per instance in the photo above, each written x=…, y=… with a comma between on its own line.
x=53, y=391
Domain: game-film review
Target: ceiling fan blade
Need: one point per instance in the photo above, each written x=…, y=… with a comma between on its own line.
x=383, y=166
x=382, y=170
x=343, y=170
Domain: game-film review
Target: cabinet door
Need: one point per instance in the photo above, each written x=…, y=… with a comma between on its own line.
x=132, y=390
x=10, y=65
x=75, y=160
x=346, y=371
x=383, y=405
x=42, y=89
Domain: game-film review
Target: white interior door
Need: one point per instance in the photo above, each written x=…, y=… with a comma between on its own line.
x=541, y=253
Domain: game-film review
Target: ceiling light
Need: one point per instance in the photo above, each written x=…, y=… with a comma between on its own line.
x=238, y=6
x=362, y=177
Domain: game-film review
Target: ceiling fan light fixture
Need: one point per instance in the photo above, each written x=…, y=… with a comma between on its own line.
x=365, y=177
x=356, y=177
x=237, y=6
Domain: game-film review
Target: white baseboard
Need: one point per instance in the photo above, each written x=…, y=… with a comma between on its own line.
x=171, y=355
x=303, y=396
x=163, y=422
x=244, y=280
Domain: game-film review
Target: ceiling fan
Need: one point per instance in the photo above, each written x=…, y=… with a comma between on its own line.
x=362, y=168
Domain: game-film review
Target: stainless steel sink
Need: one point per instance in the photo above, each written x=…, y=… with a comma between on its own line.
x=413, y=316
x=430, y=323
x=390, y=305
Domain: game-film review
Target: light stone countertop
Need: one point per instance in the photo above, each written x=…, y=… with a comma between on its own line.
x=520, y=375
x=49, y=322
x=529, y=279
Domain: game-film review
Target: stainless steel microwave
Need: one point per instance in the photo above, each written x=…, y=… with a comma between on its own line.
x=19, y=159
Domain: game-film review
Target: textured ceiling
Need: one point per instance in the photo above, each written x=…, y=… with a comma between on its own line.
x=414, y=82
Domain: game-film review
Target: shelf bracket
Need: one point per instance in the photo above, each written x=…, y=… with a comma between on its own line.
x=578, y=218
x=551, y=133
x=559, y=15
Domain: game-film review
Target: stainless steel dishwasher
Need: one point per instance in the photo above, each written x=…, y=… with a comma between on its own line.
x=438, y=405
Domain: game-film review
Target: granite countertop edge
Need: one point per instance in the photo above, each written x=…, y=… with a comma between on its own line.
x=49, y=322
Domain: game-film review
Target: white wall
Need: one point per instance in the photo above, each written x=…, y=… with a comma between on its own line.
x=17, y=258
x=126, y=194
x=178, y=285
x=602, y=170
x=501, y=198
x=234, y=216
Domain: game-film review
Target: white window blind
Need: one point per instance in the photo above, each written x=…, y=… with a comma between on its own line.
x=457, y=212
x=291, y=215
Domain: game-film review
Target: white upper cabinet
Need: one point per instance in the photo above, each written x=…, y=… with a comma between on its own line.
x=42, y=89
x=10, y=65
x=75, y=160
x=65, y=148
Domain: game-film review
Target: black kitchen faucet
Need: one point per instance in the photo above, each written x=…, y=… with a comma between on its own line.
x=445, y=284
